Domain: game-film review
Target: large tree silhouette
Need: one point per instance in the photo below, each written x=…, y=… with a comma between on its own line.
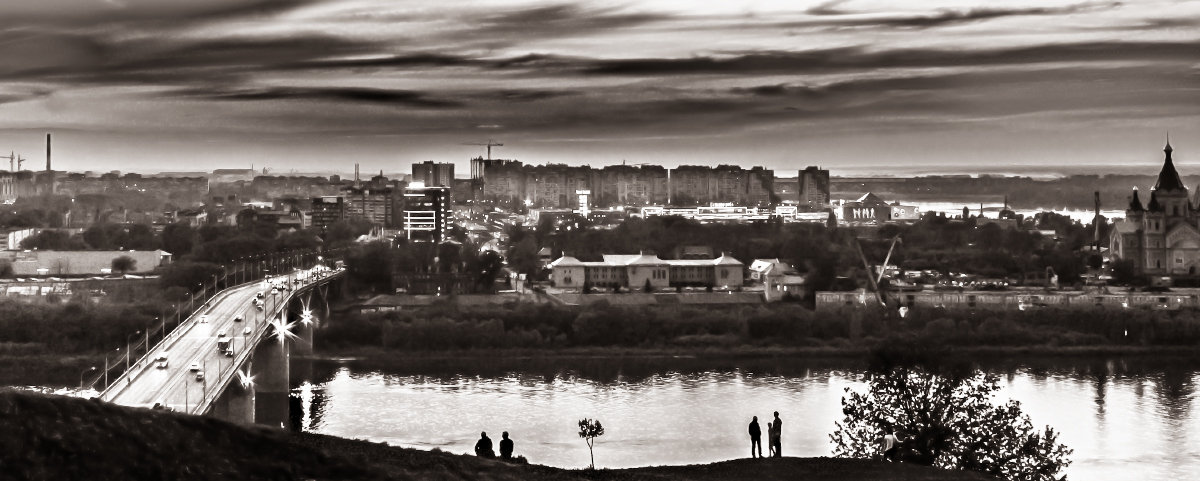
x=949, y=420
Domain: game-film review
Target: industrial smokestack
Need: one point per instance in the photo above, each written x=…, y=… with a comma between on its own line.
x=1096, y=222
x=48, y=153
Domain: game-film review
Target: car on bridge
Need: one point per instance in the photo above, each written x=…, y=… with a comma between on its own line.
x=161, y=361
x=221, y=333
x=199, y=376
x=195, y=367
x=246, y=331
x=204, y=318
x=237, y=319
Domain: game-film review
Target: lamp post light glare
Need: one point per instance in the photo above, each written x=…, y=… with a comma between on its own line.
x=85, y=371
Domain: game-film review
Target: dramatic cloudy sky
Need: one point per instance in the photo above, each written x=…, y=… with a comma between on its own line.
x=853, y=85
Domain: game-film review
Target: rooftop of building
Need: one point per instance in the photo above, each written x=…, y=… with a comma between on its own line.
x=616, y=260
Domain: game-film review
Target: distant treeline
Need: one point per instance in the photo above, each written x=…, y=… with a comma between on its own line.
x=70, y=328
x=446, y=327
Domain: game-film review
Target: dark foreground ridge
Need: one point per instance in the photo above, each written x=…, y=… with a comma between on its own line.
x=64, y=438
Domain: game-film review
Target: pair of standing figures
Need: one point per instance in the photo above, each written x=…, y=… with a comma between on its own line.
x=774, y=428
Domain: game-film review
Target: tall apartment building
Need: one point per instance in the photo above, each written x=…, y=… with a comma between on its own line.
x=501, y=180
x=700, y=185
x=814, y=187
x=692, y=185
x=375, y=201
x=555, y=185
x=760, y=187
x=372, y=204
x=426, y=213
x=433, y=174
x=631, y=185
x=328, y=210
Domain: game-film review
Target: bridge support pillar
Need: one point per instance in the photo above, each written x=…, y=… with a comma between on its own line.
x=272, y=378
x=303, y=344
x=236, y=404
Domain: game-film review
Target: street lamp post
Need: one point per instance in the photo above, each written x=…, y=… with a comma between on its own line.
x=127, y=351
x=85, y=371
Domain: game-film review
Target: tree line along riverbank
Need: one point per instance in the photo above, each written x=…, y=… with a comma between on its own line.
x=781, y=327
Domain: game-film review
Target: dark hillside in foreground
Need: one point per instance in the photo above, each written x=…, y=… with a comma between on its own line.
x=62, y=438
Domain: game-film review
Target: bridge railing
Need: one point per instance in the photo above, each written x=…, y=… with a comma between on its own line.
x=125, y=364
x=225, y=376
x=139, y=366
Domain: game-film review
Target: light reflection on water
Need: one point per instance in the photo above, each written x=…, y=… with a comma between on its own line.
x=1122, y=421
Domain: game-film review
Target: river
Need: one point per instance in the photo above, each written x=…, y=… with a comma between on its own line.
x=1124, y=418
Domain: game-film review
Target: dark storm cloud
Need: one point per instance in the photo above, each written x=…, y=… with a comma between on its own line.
x=77, y=13
x=827, y=8
x=560, y=19
x=412, y=60
x=861, y=86
x=407, y=98
x=26, y=94
x=859, y=58
x=943, y=17
x=94, y=60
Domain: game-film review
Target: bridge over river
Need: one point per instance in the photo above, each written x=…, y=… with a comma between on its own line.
x=230, y=358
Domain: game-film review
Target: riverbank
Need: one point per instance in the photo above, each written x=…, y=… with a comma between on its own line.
x=58, y=437
x=369, y=353
x=49, y=370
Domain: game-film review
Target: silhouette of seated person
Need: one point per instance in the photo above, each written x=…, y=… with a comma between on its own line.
x=483, y=447
x=506, y=446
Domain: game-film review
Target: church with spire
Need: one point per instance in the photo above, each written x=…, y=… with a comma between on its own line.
x=1162, y=236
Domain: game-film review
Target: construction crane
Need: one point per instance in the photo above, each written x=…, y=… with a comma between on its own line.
x=490, y=143
x=883, y=269
x=15, y=161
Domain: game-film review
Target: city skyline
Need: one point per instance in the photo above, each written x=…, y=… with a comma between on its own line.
x=318, y=85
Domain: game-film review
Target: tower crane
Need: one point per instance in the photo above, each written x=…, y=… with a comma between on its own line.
x=15, y=161
x=490, y=143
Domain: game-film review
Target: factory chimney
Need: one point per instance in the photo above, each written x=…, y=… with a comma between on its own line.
x=49, y=172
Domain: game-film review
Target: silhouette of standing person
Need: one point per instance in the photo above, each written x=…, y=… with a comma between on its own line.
x=483, y=447
x=770, y=439
x=506, y=446
x=775, y=440
x=755, y=438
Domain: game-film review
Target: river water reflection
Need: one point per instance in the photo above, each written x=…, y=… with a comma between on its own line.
x=1124, y=418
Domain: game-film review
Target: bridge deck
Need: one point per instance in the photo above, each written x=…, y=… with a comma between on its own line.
x=194, y=343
